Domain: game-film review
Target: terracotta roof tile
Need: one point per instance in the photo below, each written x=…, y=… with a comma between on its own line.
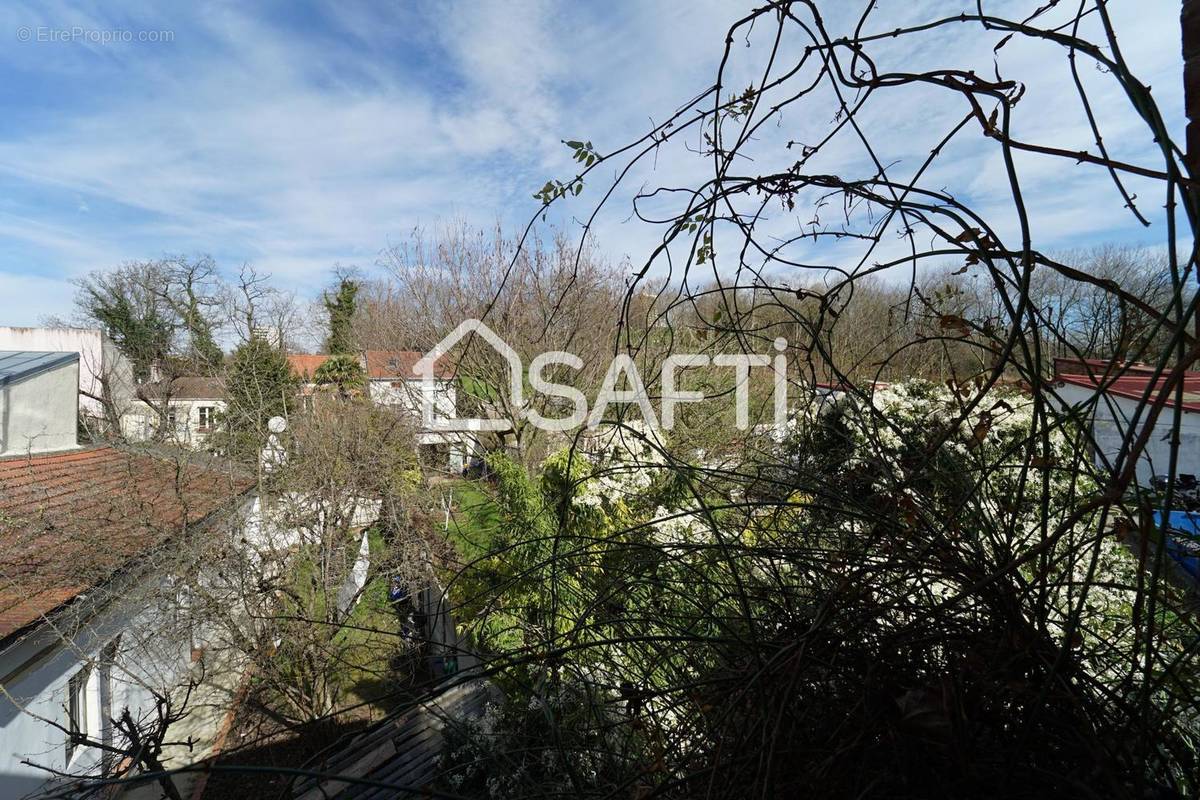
x=398, y=365
x=305, y=365
x=381, y=365
x=69, y=520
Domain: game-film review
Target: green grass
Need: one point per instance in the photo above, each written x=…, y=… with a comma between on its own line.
x=474, y=521
x=362, y=660
x=474, y=387
x=474, y=529
x=372, y=634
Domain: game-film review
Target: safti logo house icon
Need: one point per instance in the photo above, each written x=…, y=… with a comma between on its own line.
x=622, y=370
x=426, y=369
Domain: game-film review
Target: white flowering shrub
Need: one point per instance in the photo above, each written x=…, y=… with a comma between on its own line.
x=677, y=530
x=996, y=479
x=918, y=565
x=620, y=463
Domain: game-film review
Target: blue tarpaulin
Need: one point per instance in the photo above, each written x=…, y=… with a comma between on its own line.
x=1183, y=540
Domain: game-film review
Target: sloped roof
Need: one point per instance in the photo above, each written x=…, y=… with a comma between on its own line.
x=1131, y=381
x=70, y=520
x=402, y=751
x=305, y=365
x=398, y=365
x=381, y=365
x=185, y=387
x=1098, y=366
x=195, y=387
x=17, y=365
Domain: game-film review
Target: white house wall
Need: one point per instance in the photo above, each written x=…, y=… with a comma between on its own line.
x=1112, y=425
x=99, y=361
x=118, y=371
x=154, y=655
x=40, y=413
x=143, y=420
x=35, y=673
x=411, y=395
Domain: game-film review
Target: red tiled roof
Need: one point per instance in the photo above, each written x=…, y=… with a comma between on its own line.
x=305, y=364
x=381, y=365
x=398, y=365
x=69, y=521
x=1127, y=380
x=1098, y=366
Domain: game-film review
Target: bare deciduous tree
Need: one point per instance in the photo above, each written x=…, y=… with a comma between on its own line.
x=542, y=296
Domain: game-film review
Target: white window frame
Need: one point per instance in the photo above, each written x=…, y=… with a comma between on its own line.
x=77, y=708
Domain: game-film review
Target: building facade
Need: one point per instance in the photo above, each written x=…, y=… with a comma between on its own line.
x=106, y=381
x=39, y=401
x=392, y=382
x=84, y=635
x=1109, y=398
x=184, y=411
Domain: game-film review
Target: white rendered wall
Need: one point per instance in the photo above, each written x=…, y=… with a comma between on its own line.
x=99, y=360
x=142, y=421
x=1112, y=424
x=40, y=413
x=36, y=670
x=410, y=395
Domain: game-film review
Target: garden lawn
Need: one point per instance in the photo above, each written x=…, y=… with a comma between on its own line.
x=474, y=521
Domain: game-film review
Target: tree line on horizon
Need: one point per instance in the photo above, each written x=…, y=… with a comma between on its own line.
x=168, y=316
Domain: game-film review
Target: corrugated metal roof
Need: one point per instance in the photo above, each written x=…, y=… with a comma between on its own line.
x=400, y=756
x=17, y=365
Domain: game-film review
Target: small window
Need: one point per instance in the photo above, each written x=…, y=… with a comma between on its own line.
x=207, y=417
x=171, y=422
x=77, y=721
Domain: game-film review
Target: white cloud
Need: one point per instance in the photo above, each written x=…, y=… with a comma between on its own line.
x=295, y=146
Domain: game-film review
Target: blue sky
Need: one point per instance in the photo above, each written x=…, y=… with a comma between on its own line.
x=295, y=136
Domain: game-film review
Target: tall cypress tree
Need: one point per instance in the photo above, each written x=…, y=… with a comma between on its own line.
x=340, y=306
